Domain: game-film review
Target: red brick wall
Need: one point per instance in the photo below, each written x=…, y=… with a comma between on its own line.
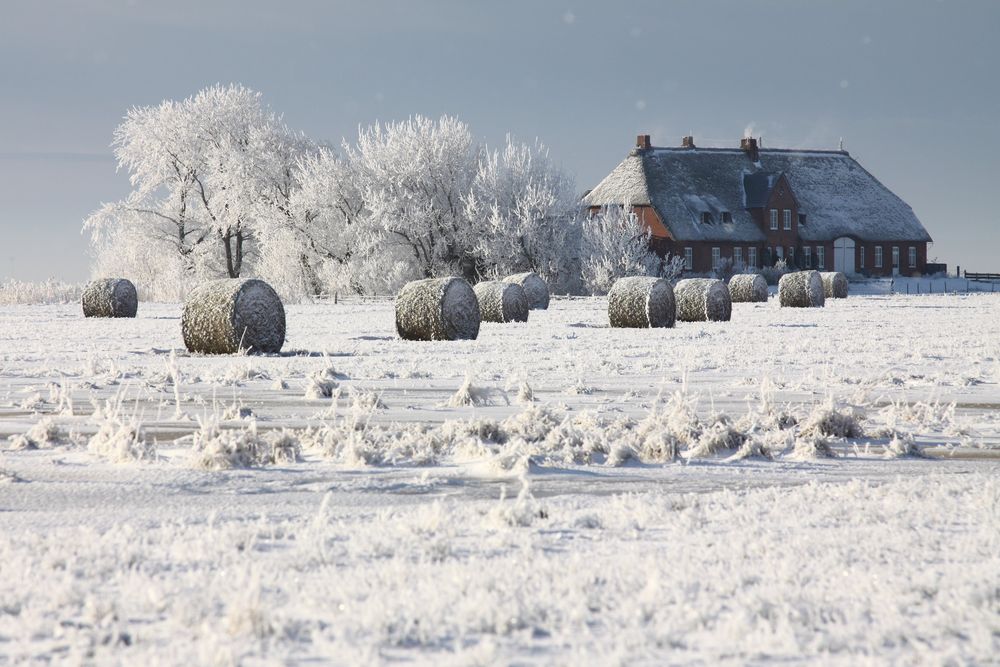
x=904, y=258
x=781, y=200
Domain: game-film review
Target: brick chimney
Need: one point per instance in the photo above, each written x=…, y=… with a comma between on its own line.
x=749, y=145
x=687, y=142
x=642, y=142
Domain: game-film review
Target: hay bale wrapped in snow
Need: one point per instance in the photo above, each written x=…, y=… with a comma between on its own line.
x=501, y=301
x=230, y=315
x=801, y=289
x=702, y=300
x=834, y=285
x=641, y=302
x=110, y=297
x=437, y=309
x=534, y=286
x=747, y=288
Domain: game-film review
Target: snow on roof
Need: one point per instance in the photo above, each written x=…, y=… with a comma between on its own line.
x=838, y=196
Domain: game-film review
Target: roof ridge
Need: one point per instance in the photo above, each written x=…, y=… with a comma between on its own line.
x=737, y=149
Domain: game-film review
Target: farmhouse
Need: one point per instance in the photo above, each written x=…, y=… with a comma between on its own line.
x=813, y=208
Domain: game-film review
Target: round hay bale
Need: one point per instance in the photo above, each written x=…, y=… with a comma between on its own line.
x=748, y=288
x=801, y=289
x=234, y=314
x=641, y=302
x=703, y=300
x=834, y=285
x=534, y=286
x=437, y=309
x=110, y=297
x=501, y=302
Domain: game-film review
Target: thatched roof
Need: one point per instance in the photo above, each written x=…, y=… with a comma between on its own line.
x=838, y=196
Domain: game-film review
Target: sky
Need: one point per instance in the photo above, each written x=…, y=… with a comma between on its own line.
x=910, y=86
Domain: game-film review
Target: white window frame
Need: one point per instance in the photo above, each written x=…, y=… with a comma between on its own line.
x=788, y=219
x=737, y=256
x=895, y=256
x=878, y=257
x=689, y=259
x=861, y=257
x=820, y=257
x=774, y=219
x=807, y=257
x=912, y=257
x=716, y=257
x=752, y=257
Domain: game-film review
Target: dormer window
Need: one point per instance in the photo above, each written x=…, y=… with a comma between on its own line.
x=727, y=216
x=706, y=218
x=802, y=218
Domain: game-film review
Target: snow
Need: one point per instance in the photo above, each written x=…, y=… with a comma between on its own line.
x=553, y=491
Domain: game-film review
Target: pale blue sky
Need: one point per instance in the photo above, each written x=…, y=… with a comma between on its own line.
x=911, y=86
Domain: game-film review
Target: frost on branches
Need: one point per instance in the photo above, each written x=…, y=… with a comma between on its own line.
x=223, y=188
x=615, y=245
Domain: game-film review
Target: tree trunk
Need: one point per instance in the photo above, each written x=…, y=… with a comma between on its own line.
x=238, y=263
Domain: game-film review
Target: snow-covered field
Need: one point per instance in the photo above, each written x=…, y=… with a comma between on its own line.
x=794, y=486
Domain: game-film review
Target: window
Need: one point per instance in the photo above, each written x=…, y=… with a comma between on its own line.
x=806, y=257
x=861, y=257
x=895, y=257
x=802, y=218
x=738, y=256
x=716, y=257
x=774, y=218
x=788, y=219
x=878, y=257
x=913, y=257
x=688, y=259
x=779, y=252
x=752, y=257
x=706, y=218
x=791, y=254
x=820, y=257
x=727, y=216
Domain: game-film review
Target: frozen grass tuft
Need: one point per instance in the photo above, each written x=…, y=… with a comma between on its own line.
x=119, y=438
x=524, y=511
x=217, y=448
x=812, y=447
x=322, y=383
x=469, y=394
x=826, y=420
x=900, y=445
x=43, y=434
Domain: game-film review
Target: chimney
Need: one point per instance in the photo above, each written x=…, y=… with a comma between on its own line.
x=642, y=142
x=749, y=145
x=687, y=142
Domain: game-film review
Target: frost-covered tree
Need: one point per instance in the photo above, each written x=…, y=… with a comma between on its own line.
x=413, y=177
x=527, y=209
x=208, y=172
x=614, y=245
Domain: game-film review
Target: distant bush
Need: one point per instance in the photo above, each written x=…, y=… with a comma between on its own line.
x=14, y=292
x=772, y=274
x=726, y=269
